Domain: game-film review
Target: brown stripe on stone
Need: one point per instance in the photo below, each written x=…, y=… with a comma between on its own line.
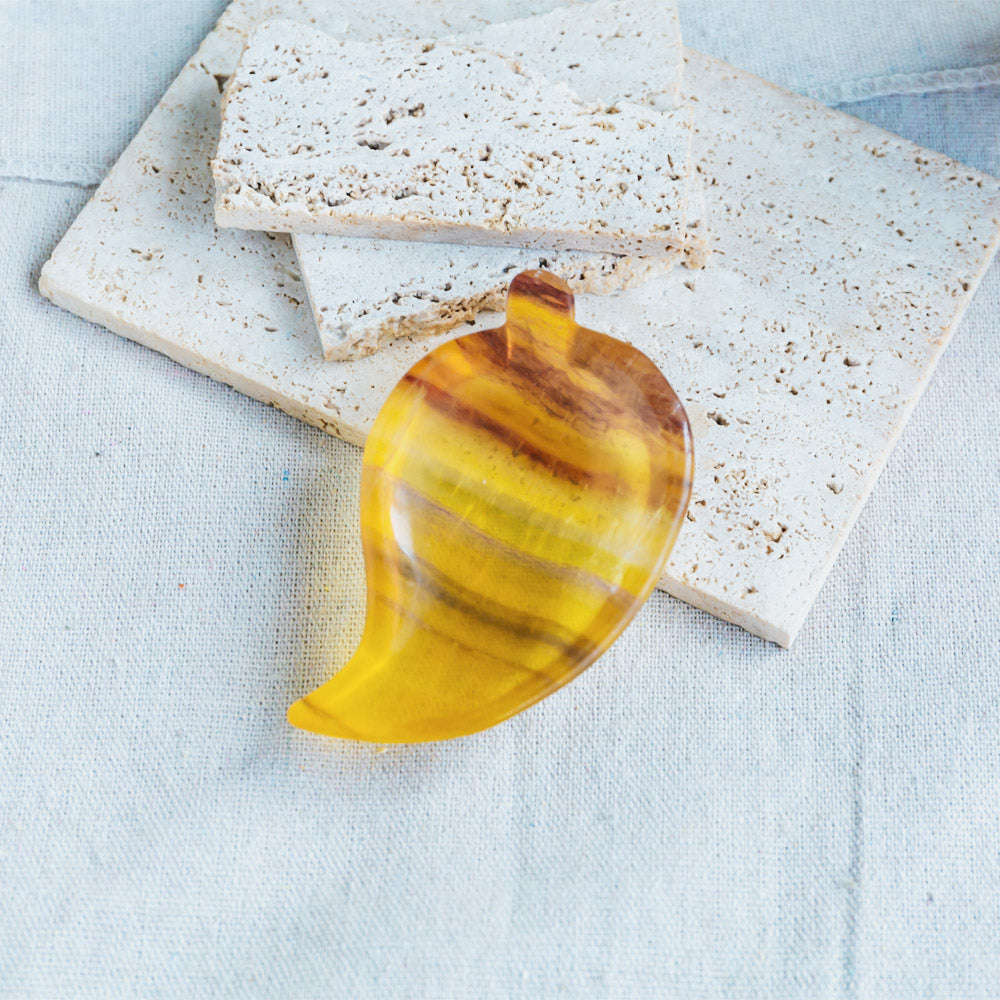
x=465, y=414
x=541, y=286
x=614, y=594
x=547, y=382
x=405, y=611
x=472, y=604
x=634, y=397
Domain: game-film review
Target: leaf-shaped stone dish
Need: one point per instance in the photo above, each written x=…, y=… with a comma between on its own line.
x=521, y=490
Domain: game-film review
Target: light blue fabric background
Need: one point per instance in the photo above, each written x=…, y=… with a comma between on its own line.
x=700, y=815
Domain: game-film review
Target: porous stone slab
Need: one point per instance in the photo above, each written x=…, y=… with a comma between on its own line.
x=843, y=259
x=365, y=293
x=433, y=141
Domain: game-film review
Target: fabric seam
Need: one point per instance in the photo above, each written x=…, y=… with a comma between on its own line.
x=903, y=84
x=84, y=172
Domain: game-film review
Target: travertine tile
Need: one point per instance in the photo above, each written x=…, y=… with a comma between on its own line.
x=366, y=293
x=417, y=139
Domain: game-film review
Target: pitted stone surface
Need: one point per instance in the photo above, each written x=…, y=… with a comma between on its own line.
x=425, y=140
x=366, y=293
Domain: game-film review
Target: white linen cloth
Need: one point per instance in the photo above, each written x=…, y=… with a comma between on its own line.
x=700, y=815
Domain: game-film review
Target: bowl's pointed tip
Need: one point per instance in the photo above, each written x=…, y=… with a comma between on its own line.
x=305, y=714
x=299, y=715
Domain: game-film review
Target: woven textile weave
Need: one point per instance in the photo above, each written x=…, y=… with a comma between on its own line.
x=700, y=815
